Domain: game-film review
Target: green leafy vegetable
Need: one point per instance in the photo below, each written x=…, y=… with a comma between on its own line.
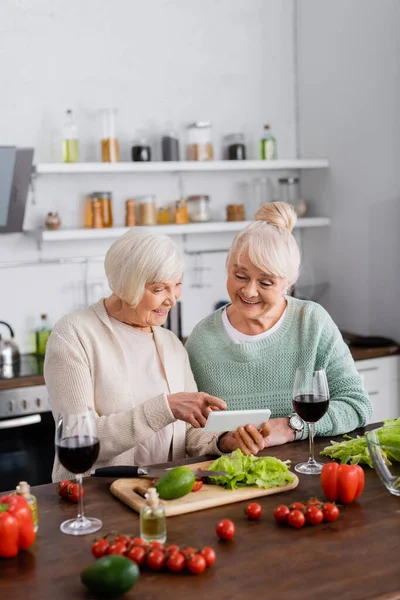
x=262, y=471
x=355, y=450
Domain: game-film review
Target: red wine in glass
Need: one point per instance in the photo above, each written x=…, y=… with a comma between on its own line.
x=78, y=454
x=310, y=408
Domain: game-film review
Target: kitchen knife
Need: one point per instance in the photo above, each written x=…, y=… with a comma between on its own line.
x=126, y=471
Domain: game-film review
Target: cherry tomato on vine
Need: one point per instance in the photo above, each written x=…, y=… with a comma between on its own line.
x=100, y=548
x=296, y=518
x=176, y=561
x=330, y=512
x=117, y=548
x=197, y=564
x=296, y=506
x=281, y=513
x=253, y=511
x=172, y=548
x=137, y=554
x=314, y=515
x=138, y=541
x=197, y=486
x=155, y=559
x=209, y=555
x=225, y=529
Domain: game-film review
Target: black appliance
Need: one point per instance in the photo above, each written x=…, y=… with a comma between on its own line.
x=26, y=425
x=174, y=320
x=15, y=176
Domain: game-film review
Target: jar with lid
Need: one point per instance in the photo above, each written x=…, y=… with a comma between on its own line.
x=200, y=141
x=235, y=146
x=235, y=212
x=141, y=150
x=164, y=215
x=181, y=212
x=289, y=189
x=52, y=221
x=130, y=213
x=109, y=141
x=147, y=210
x=104, y=201
x=199, y=208
x=170, y=145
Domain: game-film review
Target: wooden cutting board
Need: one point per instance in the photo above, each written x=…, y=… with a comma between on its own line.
x=207, y=497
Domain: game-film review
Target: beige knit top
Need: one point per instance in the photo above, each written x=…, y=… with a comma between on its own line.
x=85, y=367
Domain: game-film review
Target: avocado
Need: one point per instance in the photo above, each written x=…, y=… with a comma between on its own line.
x=110, y=576
x=175, y=483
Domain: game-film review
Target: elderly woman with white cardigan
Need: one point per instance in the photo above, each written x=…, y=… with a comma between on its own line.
x=115, y=358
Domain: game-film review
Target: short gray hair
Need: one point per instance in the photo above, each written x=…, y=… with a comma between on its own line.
x=138, y=258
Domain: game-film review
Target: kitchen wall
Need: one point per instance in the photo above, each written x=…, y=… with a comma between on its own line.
x=349, y=97
x=229, y=61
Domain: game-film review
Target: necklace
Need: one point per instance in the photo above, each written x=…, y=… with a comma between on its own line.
x=126, y=322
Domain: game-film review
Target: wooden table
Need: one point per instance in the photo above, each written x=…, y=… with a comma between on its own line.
x=355, y=558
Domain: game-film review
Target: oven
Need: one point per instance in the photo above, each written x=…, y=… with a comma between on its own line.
x=26, y=436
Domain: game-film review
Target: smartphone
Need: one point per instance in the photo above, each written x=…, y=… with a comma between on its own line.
x=229, y=420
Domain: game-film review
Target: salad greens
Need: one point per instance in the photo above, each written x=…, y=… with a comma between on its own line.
x=355, y=450
x=262, y=471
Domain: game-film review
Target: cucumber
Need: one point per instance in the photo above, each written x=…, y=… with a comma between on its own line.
x=110, y=576
x=175, y=483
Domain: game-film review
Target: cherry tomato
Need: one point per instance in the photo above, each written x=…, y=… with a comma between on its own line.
x=176, y=561
x=155, y=559
x=138, y=541
x=73, y=492
x=314, y=515
x=137, y=554
x=117, y=548
x=172, y=548
x=281, y=513
x=342, y=482
x=253, y=511
x=296, y=518
x=122, y=537
x=330, y=512
x=209, y=555
x=296, y=506
x=156, y=545
x=197, y=564
x=313, y=502
x=189, y=551
x=62, y=488
x=197, y=486
x=225, y=529
x=100, y=548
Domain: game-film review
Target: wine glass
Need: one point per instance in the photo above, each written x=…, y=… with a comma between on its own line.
x=310, y=401
x=77, y=449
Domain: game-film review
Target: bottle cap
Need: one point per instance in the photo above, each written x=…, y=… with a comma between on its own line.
x=23, y=488
x=152, y=497
x=43, y=317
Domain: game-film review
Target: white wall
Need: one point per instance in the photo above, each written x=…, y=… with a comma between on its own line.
x=349, y=99
x=229, y=61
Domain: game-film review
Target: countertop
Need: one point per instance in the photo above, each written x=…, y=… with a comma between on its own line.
x=354, y=558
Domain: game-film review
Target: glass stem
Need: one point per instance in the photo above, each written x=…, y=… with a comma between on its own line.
x=80, y=501
x=311, y=439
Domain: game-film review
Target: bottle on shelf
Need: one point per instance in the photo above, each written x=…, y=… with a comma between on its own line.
x=268, y=145
x=130, y=213
x=42, y=335
x=24, y=490
x=70, y=140
x=153, y=526
x=109, y=140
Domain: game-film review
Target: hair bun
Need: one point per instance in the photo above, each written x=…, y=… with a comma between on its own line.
x=279, y=214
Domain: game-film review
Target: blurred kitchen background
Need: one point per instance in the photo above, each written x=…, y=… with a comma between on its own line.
x=324, y=75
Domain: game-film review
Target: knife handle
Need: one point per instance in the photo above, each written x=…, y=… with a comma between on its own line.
x=123, y=471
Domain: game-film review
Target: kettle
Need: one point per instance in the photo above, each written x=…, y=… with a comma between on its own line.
x=9, y=351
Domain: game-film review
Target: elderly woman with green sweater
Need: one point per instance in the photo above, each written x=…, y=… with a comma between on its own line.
x=247, y=352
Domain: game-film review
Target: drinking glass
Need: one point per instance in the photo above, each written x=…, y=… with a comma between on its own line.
x=310, y=401
x=77, y=447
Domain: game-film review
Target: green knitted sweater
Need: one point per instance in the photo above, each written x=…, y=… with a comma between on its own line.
x=260, y=374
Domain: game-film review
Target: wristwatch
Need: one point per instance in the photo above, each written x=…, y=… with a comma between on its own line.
x=297, y=424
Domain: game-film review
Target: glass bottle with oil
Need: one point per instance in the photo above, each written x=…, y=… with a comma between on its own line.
x=153, y=526
x=24, y=490
x=42, y=335
x=70, y=140
x=268, y=145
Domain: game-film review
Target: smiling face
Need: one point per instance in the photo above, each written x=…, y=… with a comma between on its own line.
x=256, y=296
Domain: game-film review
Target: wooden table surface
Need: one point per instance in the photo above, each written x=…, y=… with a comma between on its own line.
x=355, y=558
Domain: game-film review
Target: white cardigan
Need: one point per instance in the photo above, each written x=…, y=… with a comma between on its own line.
x=85, y=367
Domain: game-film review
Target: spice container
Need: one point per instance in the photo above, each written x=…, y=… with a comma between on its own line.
x=141, y=150
x=164, y=215
x=147, y=210
x=97, y=216
x=105, y=199
x=52, y=221
x=235, y=212
x=199, y=141
x=109, y=141
x=181, y=212
x=24, y=490
x=235, y=146
x=70, y=140
x=170, y=146
x=199, y=209
x=268, y=145
x=289, y=189
x=153, y=524
x=130, y=213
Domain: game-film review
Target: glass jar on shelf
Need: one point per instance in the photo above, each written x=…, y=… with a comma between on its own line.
x=147, y=210
x=289, y=189
x=235, y=212
x=130, y=213
x=200, y=141
x=235, y=148
x=109, y=141
x=141, y=149
x=164, y=215
x=181, y=212
x=199, y=208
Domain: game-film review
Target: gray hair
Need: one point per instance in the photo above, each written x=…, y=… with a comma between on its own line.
x=269, y=243
x=138, y=258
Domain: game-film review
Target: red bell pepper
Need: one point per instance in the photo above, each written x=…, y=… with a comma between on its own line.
x=342, y=483
x=16, y=526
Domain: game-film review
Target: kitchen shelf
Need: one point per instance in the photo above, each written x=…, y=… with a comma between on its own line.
x=66, y=235
x=180, y=166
